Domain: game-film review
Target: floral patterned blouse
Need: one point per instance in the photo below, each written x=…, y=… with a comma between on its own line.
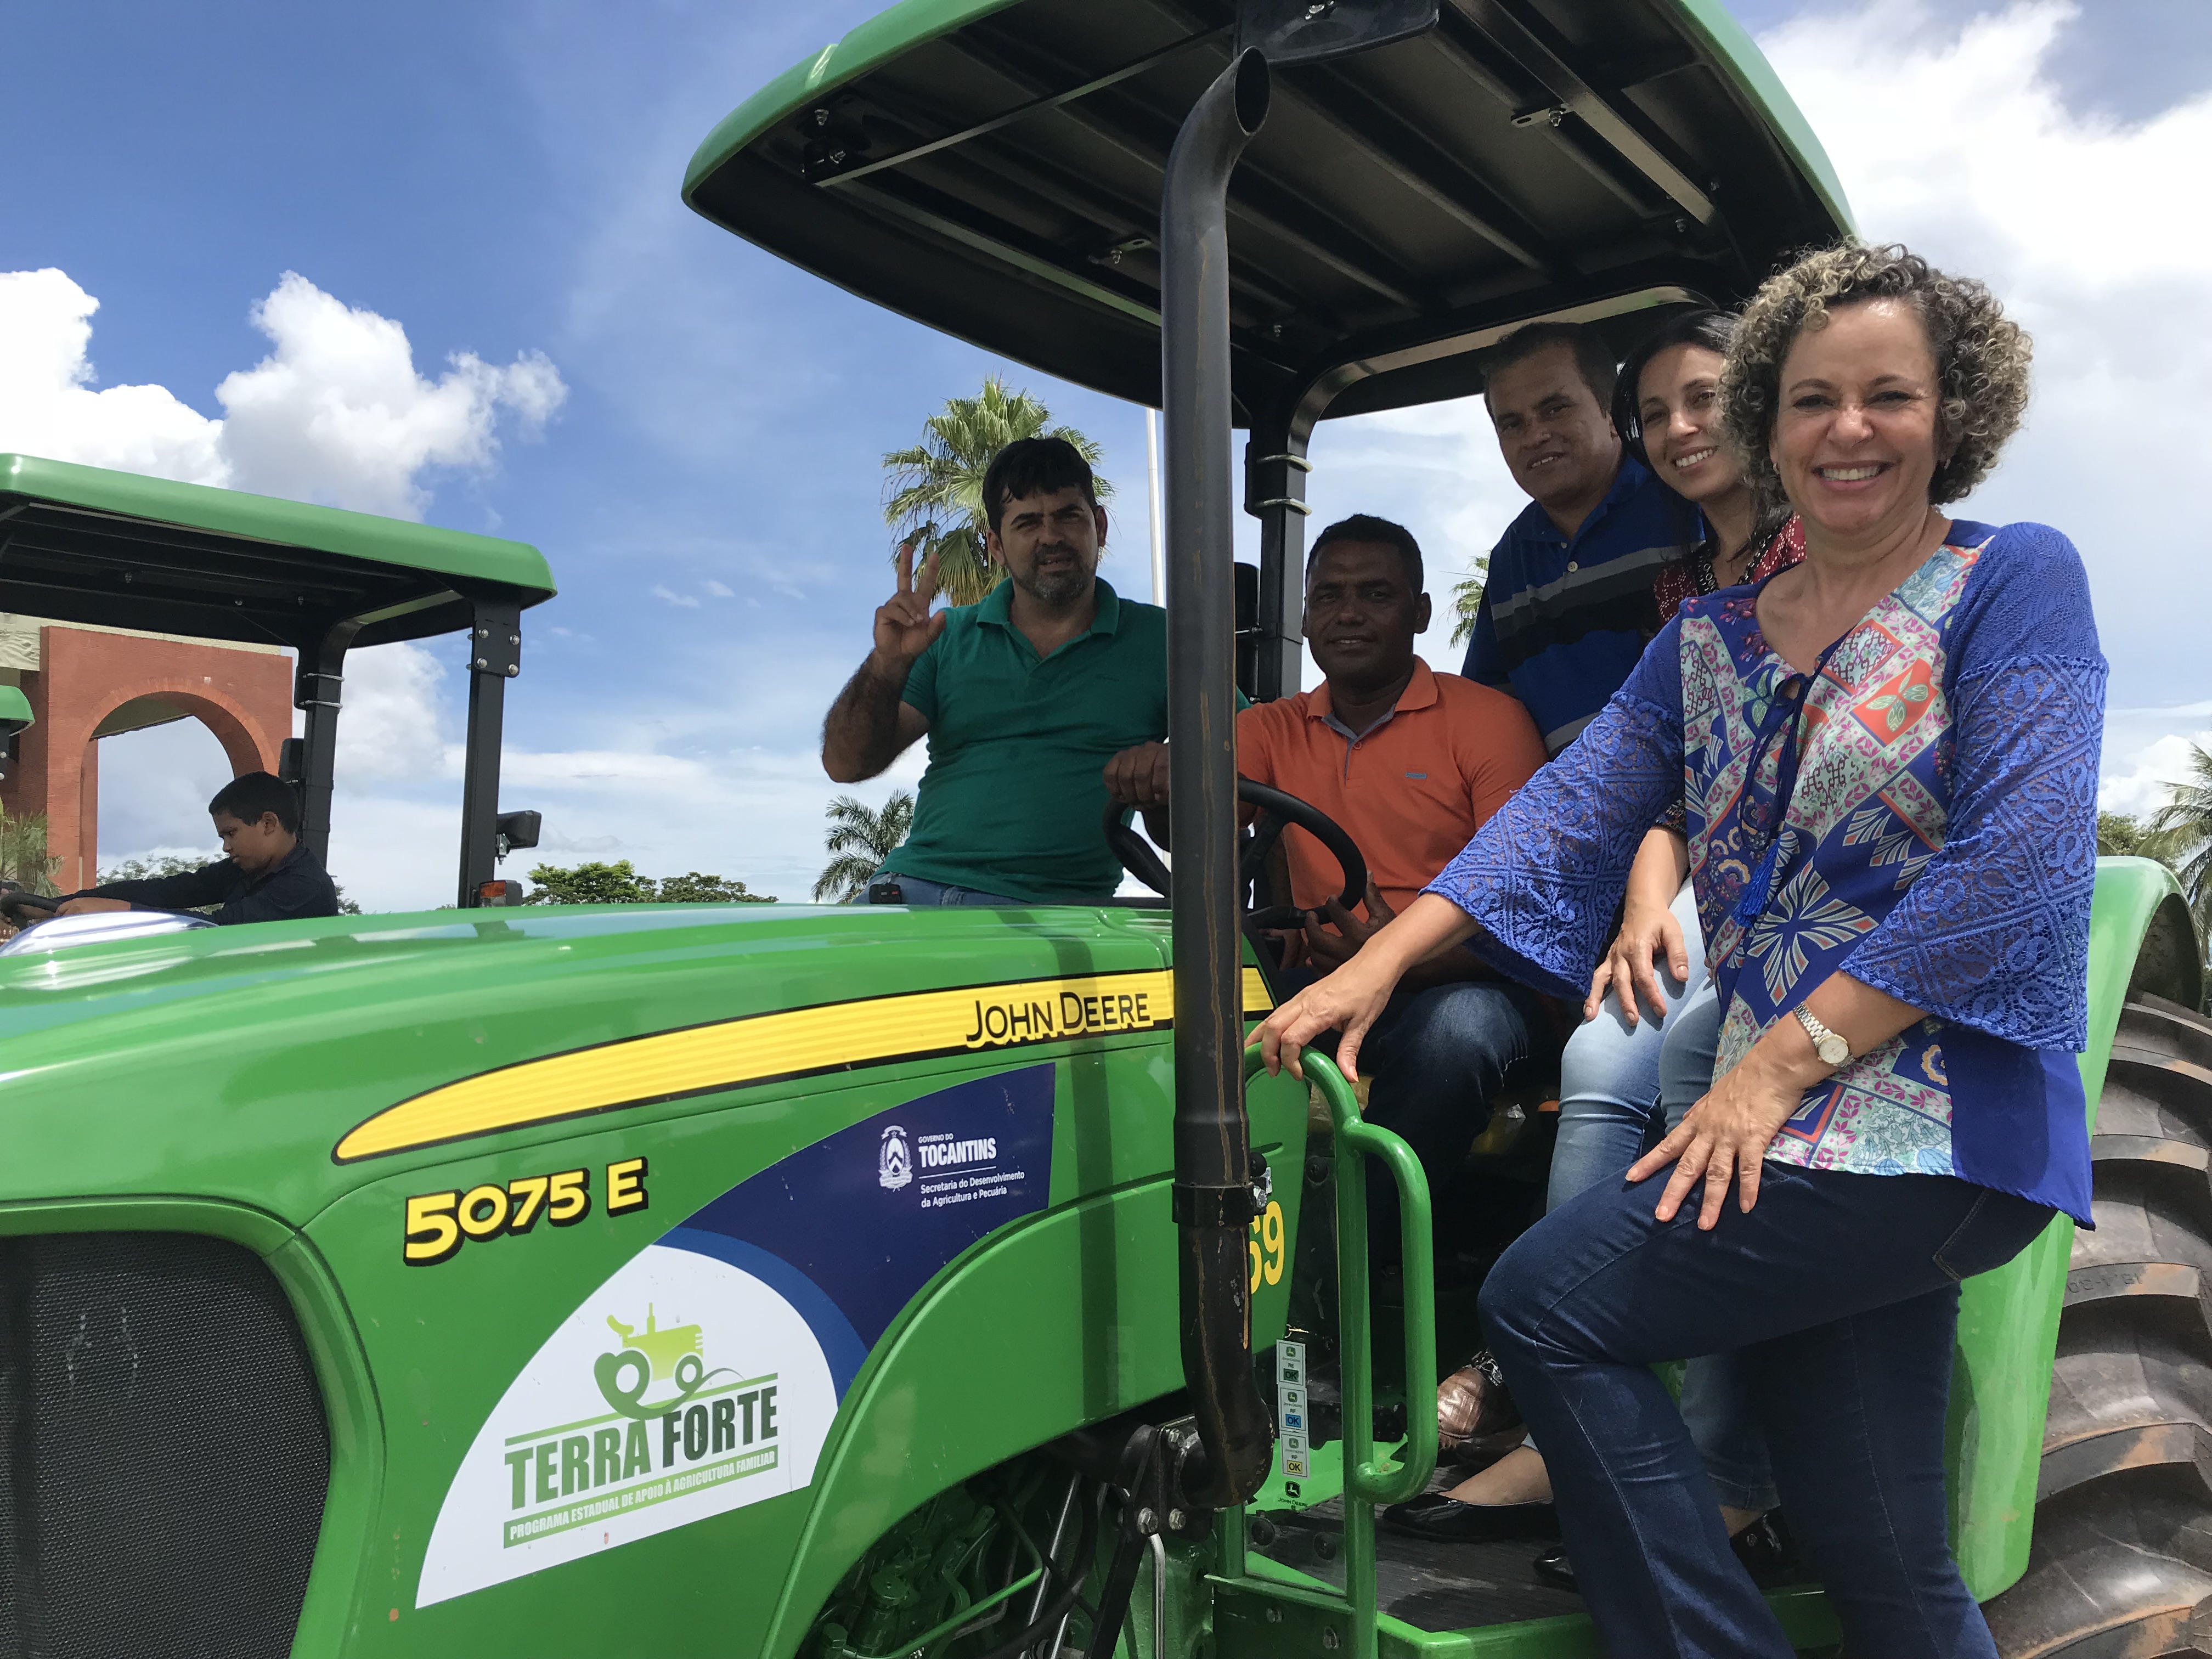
x=1936, y=840
x=1687, y=578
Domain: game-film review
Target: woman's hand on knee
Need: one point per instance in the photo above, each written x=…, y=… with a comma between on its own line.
x=1601, y=982
x=1648, y=934
x=1722, y=1140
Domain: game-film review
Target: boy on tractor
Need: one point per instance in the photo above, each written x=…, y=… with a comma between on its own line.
x=267, y=873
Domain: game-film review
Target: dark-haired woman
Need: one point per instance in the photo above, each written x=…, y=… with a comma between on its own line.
x=1666, y=409
x=1888, y=758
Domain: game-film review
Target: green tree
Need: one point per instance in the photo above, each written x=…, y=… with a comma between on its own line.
x=695, y=889
x=1466, y=599
x=148, y=869
x=620, y=884
x=2184, y=824
x=590, y=884
x=857, y=840
x=934, y=495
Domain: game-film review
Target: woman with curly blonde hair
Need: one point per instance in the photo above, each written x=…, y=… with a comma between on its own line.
x=1888, y=758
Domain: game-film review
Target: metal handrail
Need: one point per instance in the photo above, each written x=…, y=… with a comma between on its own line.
x=1367, y=1480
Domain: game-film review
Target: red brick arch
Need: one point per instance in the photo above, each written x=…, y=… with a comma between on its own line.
x=244, y=697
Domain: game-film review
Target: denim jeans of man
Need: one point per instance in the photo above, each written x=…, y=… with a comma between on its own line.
x=1840, y=1294
x=1609, y=1076
x=1437, y=1056
x=913, y=890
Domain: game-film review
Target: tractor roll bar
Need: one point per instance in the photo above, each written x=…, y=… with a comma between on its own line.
x=1213, y=1182
x=317, y=685
x=494, y=639
x=494, y=658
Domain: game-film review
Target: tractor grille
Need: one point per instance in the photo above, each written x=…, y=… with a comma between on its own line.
x=163, y=1452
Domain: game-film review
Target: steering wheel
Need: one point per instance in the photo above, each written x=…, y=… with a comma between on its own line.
x=1277, y=810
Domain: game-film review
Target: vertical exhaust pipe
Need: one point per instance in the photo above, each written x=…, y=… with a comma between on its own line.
x=1213, y=1153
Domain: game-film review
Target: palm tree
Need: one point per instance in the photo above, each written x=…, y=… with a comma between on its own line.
x=23, y=852
x=1467, y=599
x=2185, y=824
x=934, y=495
x=858, y=841
x=2125, y=836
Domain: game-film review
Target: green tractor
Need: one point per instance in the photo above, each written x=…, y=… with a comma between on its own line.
x=874, y=1283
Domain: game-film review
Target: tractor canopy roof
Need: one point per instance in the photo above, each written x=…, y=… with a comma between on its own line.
x=993, y=168
x=83, y=544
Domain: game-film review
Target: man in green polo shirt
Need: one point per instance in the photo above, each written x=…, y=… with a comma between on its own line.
x=1024, y=699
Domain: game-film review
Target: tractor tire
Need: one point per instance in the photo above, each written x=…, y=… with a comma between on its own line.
x=2121, y=1564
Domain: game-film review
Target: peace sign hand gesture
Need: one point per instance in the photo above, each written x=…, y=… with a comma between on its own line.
x=904, y=625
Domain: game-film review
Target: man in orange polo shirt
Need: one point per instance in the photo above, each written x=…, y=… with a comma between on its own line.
x=1410, y=763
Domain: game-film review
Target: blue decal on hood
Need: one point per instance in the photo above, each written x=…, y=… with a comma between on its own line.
x=842, y=1347
x=870, y=1214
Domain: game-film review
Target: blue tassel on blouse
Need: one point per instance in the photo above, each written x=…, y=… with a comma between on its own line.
x=1753, y=904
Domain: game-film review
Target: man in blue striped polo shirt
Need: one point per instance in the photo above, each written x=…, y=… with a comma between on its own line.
x=1567, y=608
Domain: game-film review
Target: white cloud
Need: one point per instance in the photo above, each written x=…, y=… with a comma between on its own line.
x=392, y=852
x=672, y=789
x=335, y=413
x=2147, y=750
x=2148, y=784
x=1955, y=138
x=1434, y=468
x=390, y=718
x=721, y=591
x=47, y=406
x=677, y=787
x=1950, y=135
x=668, y=595
x=154, y=786
x=675, y=779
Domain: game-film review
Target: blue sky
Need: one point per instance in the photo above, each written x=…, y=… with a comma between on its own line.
x=501, y=179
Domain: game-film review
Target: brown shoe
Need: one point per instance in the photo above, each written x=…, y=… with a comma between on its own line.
x=1472, y=1406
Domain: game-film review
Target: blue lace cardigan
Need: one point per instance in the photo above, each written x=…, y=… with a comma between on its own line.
x=1933, y=834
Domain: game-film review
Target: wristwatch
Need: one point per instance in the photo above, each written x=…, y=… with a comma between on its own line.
x=1832, y=1049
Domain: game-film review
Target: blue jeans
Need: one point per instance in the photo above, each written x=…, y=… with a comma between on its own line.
x=1437, y=1056
x=1612, y=1080
x=913, y=890
x=1841, y=1293
x=1714, y=1402
x=1609, y=1076
x=1687, y=1050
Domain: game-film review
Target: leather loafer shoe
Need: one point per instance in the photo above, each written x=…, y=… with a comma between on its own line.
x=1474, y=1411
x=1432, y=1515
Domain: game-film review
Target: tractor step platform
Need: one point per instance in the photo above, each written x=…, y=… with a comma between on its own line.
x=1429, y=1583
